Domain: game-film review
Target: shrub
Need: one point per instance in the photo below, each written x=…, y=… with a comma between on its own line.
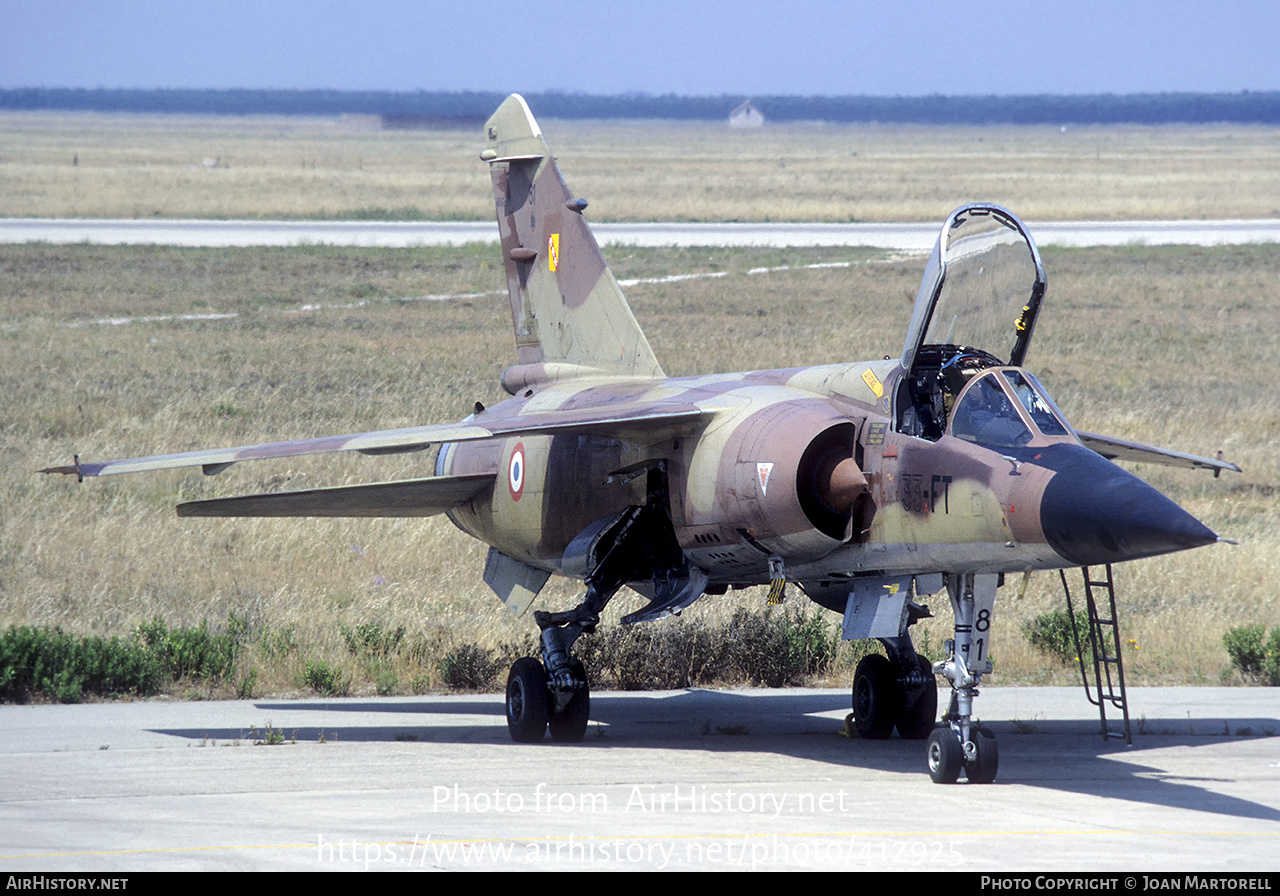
x=1052, y=633
x=811, y=642
x=657, y=655
x=194, y=652
x=1254, y=660
x=372, y=639
x=277, y=643
x=244, y=690
x=385, y=679
x=324, y=679
x=65, y=668
x=1244, y=648
x=771, y=648
x=1271, y=665
x=468, y=667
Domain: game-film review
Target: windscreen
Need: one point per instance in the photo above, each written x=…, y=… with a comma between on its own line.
x=986, y=416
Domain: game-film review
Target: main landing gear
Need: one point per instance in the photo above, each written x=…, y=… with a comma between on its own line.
x=636, y=544
x=894, y=692
x=534, y=706
x=553, y=694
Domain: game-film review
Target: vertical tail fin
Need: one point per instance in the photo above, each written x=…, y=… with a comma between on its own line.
x=566, y=307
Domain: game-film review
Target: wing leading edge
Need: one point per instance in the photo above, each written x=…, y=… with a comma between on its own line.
x=639, y=422
x=1121, y=449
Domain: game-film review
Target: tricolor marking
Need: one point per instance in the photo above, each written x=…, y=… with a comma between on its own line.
x=515, y=472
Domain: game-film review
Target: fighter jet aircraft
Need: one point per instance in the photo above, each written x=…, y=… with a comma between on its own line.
x=865, y=484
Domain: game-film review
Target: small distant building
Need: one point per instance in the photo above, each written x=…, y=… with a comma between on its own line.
x=746, y=116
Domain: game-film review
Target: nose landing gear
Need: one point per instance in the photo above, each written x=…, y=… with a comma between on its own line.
x=961, y=745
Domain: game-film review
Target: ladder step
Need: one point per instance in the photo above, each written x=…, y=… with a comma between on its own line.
x=1104, y=635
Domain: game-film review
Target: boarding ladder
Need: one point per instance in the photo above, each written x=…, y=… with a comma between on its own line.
x=1104, y=647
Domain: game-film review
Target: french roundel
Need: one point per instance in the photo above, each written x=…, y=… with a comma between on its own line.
x=515, y=472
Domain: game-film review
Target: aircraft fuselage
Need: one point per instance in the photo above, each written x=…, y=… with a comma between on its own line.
x=741, y=489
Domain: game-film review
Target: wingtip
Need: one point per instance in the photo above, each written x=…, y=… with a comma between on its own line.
x=73, y=469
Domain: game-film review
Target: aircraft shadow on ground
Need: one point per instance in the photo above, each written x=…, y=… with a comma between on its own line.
x=1064, y=755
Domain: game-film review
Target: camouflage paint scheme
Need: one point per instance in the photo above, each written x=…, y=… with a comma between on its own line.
x=854, y=481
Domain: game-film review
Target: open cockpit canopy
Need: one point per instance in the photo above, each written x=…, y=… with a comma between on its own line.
x=982, y=288
x=976, y=309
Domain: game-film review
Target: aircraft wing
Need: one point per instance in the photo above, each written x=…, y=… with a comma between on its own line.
x=1121, y=449
x=645, y=421
x=408, y=498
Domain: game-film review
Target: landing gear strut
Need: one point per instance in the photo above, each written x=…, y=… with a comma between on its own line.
x=568, y=723
x=552, y=693
x=637, y=543
x=961, y=745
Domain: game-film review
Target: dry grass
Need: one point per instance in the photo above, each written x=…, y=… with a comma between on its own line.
x=1175, y=347
x=147, y=166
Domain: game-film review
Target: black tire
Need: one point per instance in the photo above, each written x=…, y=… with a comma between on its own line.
x=945, y=756
x=983, y=768
x=916, y=722
x=876, y=700
x=527, y=701
x=569, y=725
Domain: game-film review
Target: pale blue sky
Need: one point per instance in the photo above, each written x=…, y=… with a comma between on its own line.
x=661, y=46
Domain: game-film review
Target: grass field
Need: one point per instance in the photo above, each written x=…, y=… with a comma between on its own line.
x=1169, y=346
x=119, y=352
x=94, y=165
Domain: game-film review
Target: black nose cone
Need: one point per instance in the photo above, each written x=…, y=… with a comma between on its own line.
x=1093, y=512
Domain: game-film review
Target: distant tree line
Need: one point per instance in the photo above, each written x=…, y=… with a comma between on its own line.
x=461, y=107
